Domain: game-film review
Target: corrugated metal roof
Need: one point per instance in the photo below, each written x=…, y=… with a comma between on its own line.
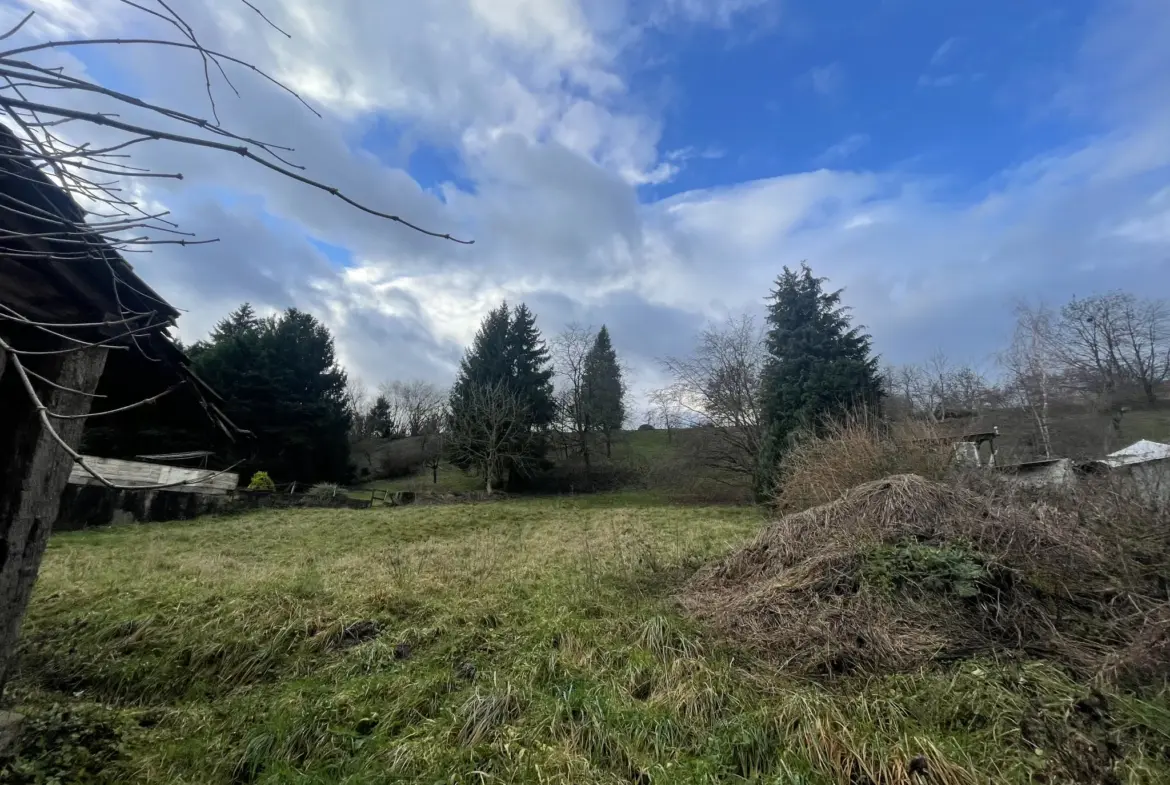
x=1138, y=452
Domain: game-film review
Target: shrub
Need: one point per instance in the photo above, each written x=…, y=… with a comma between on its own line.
x=645, y=427
x=325, y=490
x=261, y=482
x=853, y=450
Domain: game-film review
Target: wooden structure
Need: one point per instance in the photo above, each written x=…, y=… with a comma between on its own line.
x=65, y=297
x=179, y=479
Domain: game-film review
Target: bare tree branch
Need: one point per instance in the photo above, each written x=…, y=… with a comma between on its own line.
x=44, y=138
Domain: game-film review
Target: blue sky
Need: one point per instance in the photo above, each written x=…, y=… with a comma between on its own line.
x=954, y=90
x=653, y=164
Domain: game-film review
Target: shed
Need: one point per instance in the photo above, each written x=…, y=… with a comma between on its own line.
x=66, y=299
x=1143, y=466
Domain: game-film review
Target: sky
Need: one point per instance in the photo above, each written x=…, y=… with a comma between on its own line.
x=651, y=165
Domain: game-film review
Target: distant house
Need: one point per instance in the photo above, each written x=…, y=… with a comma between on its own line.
x=1144, y=466
x=65, y=294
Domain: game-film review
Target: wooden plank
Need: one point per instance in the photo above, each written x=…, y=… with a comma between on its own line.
x=133, y=473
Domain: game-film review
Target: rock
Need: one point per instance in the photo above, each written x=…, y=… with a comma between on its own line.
x=10, y=723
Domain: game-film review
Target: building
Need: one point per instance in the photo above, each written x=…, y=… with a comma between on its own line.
x=1144, y=467
x=71, y=310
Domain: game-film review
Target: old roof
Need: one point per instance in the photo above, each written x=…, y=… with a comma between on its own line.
x=56, y=269
x=1139, y=452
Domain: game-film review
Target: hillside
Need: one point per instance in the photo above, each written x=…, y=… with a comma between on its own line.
x=673, y=463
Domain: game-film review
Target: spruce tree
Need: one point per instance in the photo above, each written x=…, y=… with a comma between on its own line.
x=818, y=365
x=604, y=390
x=487, y=360
x=531, y=367
x=485, y=363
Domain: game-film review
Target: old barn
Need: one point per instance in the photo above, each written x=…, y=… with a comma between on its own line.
x=72, y=310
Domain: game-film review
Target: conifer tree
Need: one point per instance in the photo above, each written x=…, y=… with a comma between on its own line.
x=818, y=365
x=604, y=389
x=531, y=367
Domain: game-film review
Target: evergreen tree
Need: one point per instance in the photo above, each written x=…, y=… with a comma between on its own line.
x=531, y=367
x=603, y=388
x=380, y=418
x=486, y=361
x=818, y=365
x=509, y=353
x=484, y=364
x=278, y=377
x=303, y=411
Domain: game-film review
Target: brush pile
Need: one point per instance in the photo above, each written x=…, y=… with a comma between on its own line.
x=904, y=571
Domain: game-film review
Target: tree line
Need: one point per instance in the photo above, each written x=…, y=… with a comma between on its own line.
x=518, y=399
x=753, y=386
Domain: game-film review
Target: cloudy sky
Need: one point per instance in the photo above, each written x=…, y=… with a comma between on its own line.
x=653, y=164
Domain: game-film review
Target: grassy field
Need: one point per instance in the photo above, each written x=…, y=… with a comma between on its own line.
x=530, y=641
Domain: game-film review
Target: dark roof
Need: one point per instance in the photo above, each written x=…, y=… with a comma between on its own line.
x=177, y=456
x=54, y=268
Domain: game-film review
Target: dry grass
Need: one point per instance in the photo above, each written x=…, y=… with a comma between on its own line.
x=856, y=449
x=904, y=571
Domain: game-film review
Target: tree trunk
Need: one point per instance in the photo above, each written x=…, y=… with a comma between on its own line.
x=608, y=443
x=434, y=474
x=33, y=473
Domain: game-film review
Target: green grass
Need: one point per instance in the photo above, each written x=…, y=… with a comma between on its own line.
x=529, y=641
x=451, y=480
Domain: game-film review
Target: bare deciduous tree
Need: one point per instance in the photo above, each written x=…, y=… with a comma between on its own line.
x=1030, y=365
x=357, y=400
x=414, y=405
x=570, y=350
x=666, y=410
x=492, y=432
x=720, y=383
x=938, y=389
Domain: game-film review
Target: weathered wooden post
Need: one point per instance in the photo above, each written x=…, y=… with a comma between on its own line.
x=34, y=469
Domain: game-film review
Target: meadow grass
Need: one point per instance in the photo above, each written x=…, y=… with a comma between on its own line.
x=526, y=641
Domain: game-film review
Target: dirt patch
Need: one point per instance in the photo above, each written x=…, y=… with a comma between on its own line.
x=1082, y=744
x=903, y=571
x=357, y=633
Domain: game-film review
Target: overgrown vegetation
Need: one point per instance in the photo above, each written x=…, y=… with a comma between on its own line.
x=519, y=641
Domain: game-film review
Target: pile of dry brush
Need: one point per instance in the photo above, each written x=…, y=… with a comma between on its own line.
x=903, y=571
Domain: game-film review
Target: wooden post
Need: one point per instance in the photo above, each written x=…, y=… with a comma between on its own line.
x=33, y=473
x=292, y=489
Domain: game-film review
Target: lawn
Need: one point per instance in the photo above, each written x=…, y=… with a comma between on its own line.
x=526, y=641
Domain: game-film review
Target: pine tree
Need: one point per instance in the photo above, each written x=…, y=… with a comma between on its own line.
x=818, y=365
x=531, y=367
x=604, y=390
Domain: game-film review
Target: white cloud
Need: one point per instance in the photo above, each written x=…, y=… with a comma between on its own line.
x=843, y=149
x=826, y=80
x=531, y=97
x=943, y=80
x=943, y=51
